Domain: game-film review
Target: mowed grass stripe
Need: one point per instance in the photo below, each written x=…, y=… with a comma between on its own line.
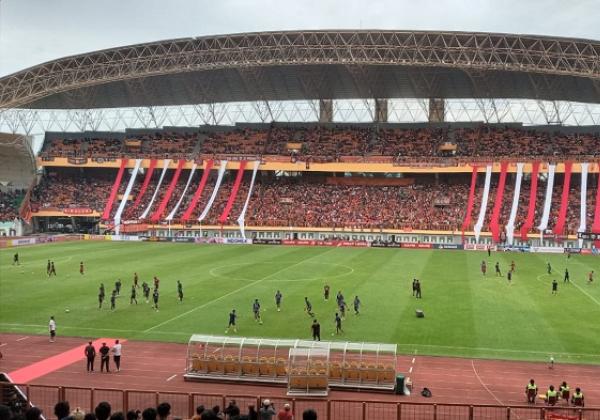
x=466, y=314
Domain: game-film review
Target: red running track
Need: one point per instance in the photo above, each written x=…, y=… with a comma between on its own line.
x=155, y=366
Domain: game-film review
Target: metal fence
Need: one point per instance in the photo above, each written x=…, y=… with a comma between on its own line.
x=184, y=405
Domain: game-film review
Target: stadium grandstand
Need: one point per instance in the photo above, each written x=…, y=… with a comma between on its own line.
x=489, y=182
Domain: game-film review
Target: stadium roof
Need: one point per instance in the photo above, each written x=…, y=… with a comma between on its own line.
x=17, y=160
x=313, y=65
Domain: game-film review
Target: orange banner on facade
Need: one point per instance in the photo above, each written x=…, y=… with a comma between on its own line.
x=397, y=182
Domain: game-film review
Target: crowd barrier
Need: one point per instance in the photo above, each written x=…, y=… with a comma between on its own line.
x=184, y=404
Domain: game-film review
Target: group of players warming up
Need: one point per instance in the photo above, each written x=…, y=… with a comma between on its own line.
x=133, y=295
x=315, y=327
x=511, y=271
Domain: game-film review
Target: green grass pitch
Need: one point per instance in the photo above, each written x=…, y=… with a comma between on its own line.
x=466, y=314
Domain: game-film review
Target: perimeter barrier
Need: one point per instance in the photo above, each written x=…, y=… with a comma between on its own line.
x=184, y=404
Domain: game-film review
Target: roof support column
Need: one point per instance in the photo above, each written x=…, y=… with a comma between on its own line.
x=325, y=110
x=436, y=110
x=381, y=110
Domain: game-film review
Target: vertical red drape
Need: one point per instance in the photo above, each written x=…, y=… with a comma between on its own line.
x=470, y=203
x=234, y=192
x=596, y=223
x=535, y=169
x=564, y=201
x=163, y=204
x=144, y=185
x=495, y=220
x=188, y=212
x=114, y=190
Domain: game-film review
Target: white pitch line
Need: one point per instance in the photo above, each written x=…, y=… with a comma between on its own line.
x=171, y=377
x=233, y=292
x=3, y=344
x=22, y=338
x=484, y=385
x=413, y=360
x=410, y=370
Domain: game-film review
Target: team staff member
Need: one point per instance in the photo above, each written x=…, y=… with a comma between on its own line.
x=90, y=355
x=577, y=398
x=52, y=329
x=316, y=330
x=551, y=395
x=531, y=391
x=104, y=357
x=116, y=351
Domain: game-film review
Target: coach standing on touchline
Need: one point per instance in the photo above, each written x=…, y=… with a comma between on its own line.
x=116, y=350
x=90, y=354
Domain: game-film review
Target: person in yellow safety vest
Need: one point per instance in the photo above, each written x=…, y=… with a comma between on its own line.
x=551, y=395
x=577, y=398
x=531, y=391
x=565, y=392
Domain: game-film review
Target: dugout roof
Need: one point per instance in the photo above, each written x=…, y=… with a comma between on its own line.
x=313, y=65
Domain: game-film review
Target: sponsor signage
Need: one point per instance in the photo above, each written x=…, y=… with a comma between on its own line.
x=588, y=236
x=260, y=241
x=77, y=160
x=548, y=249
x=77, y=210
x=448, y=246
x=385, y=244
x=318, y=242
x=416, y=245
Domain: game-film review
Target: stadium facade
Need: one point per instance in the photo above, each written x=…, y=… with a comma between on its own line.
x=368, y=70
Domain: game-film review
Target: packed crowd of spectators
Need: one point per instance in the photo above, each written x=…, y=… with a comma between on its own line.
x=62, y=191
x=324, y=143
x=160, y=145
x=104, y=411
x=312, y=202
x=9, y=204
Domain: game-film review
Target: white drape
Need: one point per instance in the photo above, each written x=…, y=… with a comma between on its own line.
x=117, y=219
x=510, y=226
x=484, y=202
x=583, y=209
x=174, y=211
x=160, y=180
x=548, y=201
x=242, y=217
x=222, y=169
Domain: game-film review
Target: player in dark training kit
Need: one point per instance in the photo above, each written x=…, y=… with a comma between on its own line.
x=52, y=269
x=549, y=268
x=554, y=287
x=81, y=269
x=338, y=324
x=48, y=267
x=326, y=292
x=146, y=291
x=566, y=280
x=113, y=300
x=308, y=307
x=118, y=286
x=356, y=305
x=498, y=273
x=483, y=267
x=16, y=259
x=155, y=299
x=179, y=291
x=232, y=318
x=133, y=296
x=278, y=297
x=100, y=295
x=316, y=330
x=135, y=280
x=256, y=311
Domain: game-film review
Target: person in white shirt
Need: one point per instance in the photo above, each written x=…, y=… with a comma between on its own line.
x=116, y=350
x=52, y=328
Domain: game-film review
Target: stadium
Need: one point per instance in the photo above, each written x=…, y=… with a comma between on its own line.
x=280, y=168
